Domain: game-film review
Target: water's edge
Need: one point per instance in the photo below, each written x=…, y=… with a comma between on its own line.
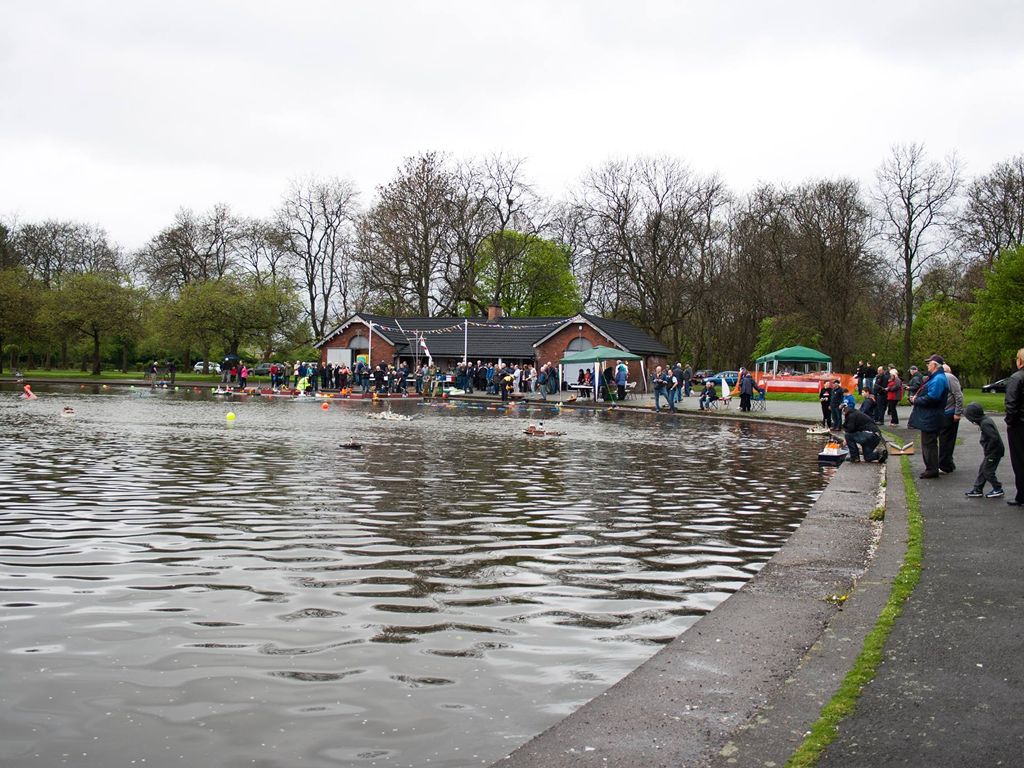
x=682, y=706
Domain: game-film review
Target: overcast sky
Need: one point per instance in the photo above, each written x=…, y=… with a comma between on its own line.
x=118, y=113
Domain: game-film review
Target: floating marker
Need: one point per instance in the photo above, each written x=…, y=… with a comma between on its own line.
x=230, y=416
x=325, y=406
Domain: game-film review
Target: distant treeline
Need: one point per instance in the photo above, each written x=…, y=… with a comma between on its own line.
x=922, y=261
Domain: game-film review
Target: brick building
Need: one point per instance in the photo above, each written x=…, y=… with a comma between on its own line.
x=536, y=340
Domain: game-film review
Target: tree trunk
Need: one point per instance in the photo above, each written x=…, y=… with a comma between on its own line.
x=908, y=320
x=95, y=354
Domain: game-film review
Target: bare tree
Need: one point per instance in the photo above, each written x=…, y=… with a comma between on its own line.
x=405, y=237
x=261, y=251
x=53, y=249
x=196, y=248
x=913, y=197
x=650, y=239
x=316, y=221
x=993, y=217
x=469, y=223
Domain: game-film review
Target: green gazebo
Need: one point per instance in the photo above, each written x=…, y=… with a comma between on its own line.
x=804, y=356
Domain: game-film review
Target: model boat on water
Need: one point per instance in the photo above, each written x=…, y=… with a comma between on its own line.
x=833, y=454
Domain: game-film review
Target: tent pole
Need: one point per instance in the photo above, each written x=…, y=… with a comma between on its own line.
x=643, y=374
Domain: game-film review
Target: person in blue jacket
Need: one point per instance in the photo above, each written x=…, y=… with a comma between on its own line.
x=929, y=416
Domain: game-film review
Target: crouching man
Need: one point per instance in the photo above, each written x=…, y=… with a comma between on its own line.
x=862, y=433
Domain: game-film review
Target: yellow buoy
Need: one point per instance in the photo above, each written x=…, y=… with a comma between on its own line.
x=230, y=416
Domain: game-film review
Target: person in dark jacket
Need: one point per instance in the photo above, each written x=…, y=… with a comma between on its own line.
x=929, y=415
x=867, y=405
x=881, y=394
x=992, y=445
x=862, y=433
x=914, y=382
x=835, y=403
x=954, y=411
x=1015, y=427
x=746, y=389
x=825, y=397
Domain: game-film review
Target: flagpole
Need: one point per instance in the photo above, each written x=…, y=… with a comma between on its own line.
x=465, y=342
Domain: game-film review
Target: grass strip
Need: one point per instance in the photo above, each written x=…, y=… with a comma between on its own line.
x=843, y=703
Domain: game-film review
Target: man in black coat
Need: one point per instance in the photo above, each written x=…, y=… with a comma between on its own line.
x=1015, y=427
x=881, y=394
x=862, y=433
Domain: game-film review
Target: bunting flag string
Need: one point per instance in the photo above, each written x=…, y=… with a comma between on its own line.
x=474, y=324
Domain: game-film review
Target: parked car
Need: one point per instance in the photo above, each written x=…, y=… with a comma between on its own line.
x=995, y=386
x=703, y=373
x=214, y=367
x=731, y=377
x=262, y=369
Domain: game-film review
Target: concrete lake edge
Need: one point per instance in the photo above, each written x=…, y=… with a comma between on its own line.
x=743, y=685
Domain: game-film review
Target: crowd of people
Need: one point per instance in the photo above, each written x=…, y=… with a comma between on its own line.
x=938, y=407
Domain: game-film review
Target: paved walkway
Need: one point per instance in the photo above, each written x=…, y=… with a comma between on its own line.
x=951, y=689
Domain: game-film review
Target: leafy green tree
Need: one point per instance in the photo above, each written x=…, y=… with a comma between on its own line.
x=997, y=324
x=232, y=314
x=785, y=331
x=938, y=327
x=19, y=301
x=93, y=305
x=539, y=283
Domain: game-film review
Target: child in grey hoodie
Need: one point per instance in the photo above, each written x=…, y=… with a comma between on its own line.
x=992, y=445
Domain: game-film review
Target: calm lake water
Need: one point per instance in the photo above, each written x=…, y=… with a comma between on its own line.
x=177, y=590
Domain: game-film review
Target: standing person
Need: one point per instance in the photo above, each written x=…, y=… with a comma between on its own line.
x=992, y=446
x=893, y=394
x=554, y=384
x=824, y=398
x=914, y=383
x=672, y=387
x=620, y=379
x=687, y=379
x=659, y=388
x=507, y=384
x=881, y=394
x=835, y=404
x=746, y=389
x=1015, y=427
x=951, y=425
x=929, y=415
x=243, y=376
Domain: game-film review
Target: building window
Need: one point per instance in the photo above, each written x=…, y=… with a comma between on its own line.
x=578, y=345
x=359, y=342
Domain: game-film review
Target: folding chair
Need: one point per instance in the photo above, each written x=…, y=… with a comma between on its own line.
x=758, y=403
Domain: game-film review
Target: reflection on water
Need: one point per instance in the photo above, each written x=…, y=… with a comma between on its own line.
x=183, y=591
